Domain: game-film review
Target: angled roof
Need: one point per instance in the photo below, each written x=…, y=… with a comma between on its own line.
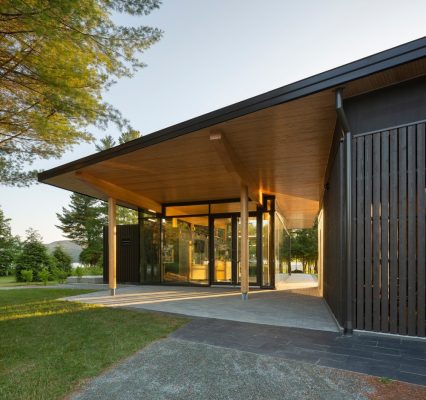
x=294, y=119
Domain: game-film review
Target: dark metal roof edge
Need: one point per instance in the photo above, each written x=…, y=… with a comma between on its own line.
x=383, y=60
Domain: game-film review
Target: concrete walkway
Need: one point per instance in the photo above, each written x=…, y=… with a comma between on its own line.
x=285, y=307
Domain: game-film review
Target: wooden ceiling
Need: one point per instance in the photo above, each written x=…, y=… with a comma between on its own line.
x=284, y=149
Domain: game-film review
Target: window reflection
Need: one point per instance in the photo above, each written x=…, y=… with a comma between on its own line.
x=185, y=250
x=150, y=245
x=252, y=235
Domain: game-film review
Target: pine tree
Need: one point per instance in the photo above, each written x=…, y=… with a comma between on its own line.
x=82, y=222
x=9, y=246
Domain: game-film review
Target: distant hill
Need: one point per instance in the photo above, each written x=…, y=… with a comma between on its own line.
x=70, y=247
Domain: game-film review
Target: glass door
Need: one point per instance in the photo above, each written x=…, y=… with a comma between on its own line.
x=223, y=239
x=252, y=238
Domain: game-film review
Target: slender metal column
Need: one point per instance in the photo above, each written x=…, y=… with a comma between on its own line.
x=112, y=246
x=244, y=243
x=347, y=209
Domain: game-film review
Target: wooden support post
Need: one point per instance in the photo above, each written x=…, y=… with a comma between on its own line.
x=244, y=258
x=112, y=245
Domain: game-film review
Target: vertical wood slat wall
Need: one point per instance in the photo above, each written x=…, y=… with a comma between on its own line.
x=389, y=230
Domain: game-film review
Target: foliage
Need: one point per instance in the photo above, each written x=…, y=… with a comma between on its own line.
x=89, y=270
x=9, y=246
x=92, y=255
x=44, y=275
x=79, y=272
x=62, y=260
x=303, y=247
x=34, y=256
x=27, y=275
x=59, y=275
x=50, y=347
x=83, y=222
x=56, y=59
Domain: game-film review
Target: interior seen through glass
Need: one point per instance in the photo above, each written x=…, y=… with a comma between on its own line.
x=185, y=250
x=176, y=248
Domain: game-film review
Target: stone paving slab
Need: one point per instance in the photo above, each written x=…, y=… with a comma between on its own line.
x=390, y=357
x=176, y=369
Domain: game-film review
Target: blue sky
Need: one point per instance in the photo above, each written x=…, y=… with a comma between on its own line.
x=217, y=52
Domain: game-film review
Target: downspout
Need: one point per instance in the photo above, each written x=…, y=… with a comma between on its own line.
x=347, y=139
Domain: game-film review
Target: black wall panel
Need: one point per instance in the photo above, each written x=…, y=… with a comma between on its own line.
x=127, y=254
x=333, y=236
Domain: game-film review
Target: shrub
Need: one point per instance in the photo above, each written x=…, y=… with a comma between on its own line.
x=59, y=275
x=34, y=256
x=62, y=260
x=27, y=275
x=44, y=275
x=79, y=271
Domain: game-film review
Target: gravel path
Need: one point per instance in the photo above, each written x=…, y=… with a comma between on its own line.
x=176, y=369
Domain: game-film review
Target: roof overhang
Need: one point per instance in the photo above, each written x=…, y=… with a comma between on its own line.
x=276, y=143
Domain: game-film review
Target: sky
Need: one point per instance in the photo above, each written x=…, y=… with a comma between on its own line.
x=217, y=52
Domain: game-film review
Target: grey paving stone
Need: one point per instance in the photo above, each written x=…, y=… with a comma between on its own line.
x=353, y=353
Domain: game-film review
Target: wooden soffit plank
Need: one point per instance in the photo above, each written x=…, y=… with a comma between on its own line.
x=118, y=192
x=233, y=164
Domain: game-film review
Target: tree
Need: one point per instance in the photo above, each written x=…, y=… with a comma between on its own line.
x=83, y=222
x=9, y=246
x=304, y=246
x=62, y=260
x=34, y=256
x=56, y=59
x=105, y=143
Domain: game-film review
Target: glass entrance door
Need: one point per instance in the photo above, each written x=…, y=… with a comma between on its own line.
x=224, y=257
x=226, y=236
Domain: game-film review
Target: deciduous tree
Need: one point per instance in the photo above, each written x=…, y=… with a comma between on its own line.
x=56, y=59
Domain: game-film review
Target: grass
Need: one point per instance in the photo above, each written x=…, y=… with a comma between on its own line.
x=48, y=347
x=10, y=281
x=385, y=381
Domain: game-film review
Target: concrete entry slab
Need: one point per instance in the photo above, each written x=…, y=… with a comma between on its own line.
x=300, y=308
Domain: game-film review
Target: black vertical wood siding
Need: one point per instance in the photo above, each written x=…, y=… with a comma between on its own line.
x=127, y=254
x=334, y=277
x=389, y=230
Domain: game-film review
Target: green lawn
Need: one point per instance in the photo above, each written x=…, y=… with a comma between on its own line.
x=48, y=346
x=10, y=281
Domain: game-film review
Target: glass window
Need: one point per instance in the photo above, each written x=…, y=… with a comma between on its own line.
x=281, y=248
x=252, y=235
x=185, y=250
x=266, y=279
x=222, y=250
x=199, y=250
x=150, y=248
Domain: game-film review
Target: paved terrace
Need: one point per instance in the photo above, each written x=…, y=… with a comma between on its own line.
x=297, y=304
x=289, y=325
